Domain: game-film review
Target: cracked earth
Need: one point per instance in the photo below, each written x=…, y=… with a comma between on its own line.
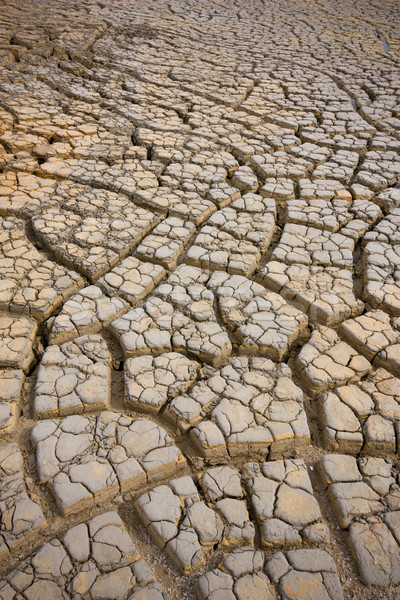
x=199, y=300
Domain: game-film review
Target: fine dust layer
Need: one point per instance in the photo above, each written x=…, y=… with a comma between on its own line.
x=199, y=300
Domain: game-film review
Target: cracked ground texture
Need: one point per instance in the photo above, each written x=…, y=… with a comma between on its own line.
x=199, y=300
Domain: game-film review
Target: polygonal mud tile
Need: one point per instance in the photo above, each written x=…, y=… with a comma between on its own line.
x=284, y=504
x=20, y=514
x=131, y=280
x=263, y=321
x=96, y=559
x=73, y=378
x=151, y=381
x=326, y=294
x=24, y=193
x=365, y=496
x=279, y=188
x=181, y=204
x=166, y=242
x=312, y=246
x=158, y=327
x=377, y=336
x=382, y=276
x=188, y=527
x=86, y=312
x=280, y=165
x=218, y=249
x=11, y=384
x=295, y=575
x=86, y=460
x=30, y=283
x=17, y=335
x=387, y=231
x=327, y=361
x=249, y=408
x=364, y=416
x=250, y=218
x=92, y=229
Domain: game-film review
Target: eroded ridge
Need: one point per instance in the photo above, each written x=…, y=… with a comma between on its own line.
x=199, y=296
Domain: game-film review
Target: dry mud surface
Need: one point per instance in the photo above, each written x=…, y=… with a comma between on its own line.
x=199, y=300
